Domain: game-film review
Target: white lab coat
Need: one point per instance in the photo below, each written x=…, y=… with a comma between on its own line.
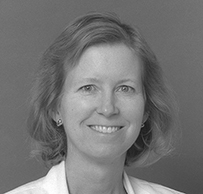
x=55, y=183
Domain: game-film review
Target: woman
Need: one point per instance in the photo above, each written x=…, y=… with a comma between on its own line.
x=99, y=104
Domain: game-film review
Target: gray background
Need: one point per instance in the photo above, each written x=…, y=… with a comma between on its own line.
x=174, y=29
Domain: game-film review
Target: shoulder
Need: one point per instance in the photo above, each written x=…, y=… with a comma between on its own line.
x=53, y=183
x=144, y=187
x=30, y=188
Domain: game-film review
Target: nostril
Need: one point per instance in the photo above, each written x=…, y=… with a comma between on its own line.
x=107, y=105
x=108, y=110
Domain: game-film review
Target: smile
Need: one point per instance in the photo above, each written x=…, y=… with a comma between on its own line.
x=105, y=129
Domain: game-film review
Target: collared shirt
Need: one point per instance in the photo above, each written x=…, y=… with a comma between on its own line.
x=55, y=183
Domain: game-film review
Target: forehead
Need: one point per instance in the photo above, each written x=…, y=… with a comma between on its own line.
x=107, y=61
x=75, y=56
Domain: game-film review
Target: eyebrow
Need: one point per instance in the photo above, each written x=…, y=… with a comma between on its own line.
x=93, y=80
x=127, y=80
x=96, y=80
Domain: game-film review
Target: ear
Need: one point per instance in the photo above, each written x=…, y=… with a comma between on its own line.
x=55, y=115
x=145, y=117
x=55, y=112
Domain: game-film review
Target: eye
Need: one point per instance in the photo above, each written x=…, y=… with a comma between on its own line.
x=88, y=89
x=126, y=89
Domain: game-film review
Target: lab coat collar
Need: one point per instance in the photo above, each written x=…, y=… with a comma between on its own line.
x=55, y=181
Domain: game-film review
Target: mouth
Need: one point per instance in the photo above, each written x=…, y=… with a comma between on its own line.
x=105, y=129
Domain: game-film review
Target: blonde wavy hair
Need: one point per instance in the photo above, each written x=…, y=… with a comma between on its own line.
x=155, y=138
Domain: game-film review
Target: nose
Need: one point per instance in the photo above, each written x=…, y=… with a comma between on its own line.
x=107, y=106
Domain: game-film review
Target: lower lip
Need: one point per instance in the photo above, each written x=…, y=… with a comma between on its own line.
x=105, y=130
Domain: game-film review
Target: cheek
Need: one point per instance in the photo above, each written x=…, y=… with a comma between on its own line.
x=134, y=109
x=75, y=110
x=134, y=116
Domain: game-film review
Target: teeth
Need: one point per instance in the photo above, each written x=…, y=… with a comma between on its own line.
x=104, y=129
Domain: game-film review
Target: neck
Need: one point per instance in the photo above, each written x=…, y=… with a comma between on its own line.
x=87, y=176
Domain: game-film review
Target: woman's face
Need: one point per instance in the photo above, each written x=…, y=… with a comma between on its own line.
x=102, y=105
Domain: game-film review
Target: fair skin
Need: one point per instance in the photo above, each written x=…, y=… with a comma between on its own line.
x=102, y=109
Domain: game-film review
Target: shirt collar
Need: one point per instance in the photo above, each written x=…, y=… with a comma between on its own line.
x=127, y=184
x=55, y=181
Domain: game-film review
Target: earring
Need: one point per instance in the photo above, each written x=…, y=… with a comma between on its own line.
x=142, y=125
x=59, y=122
